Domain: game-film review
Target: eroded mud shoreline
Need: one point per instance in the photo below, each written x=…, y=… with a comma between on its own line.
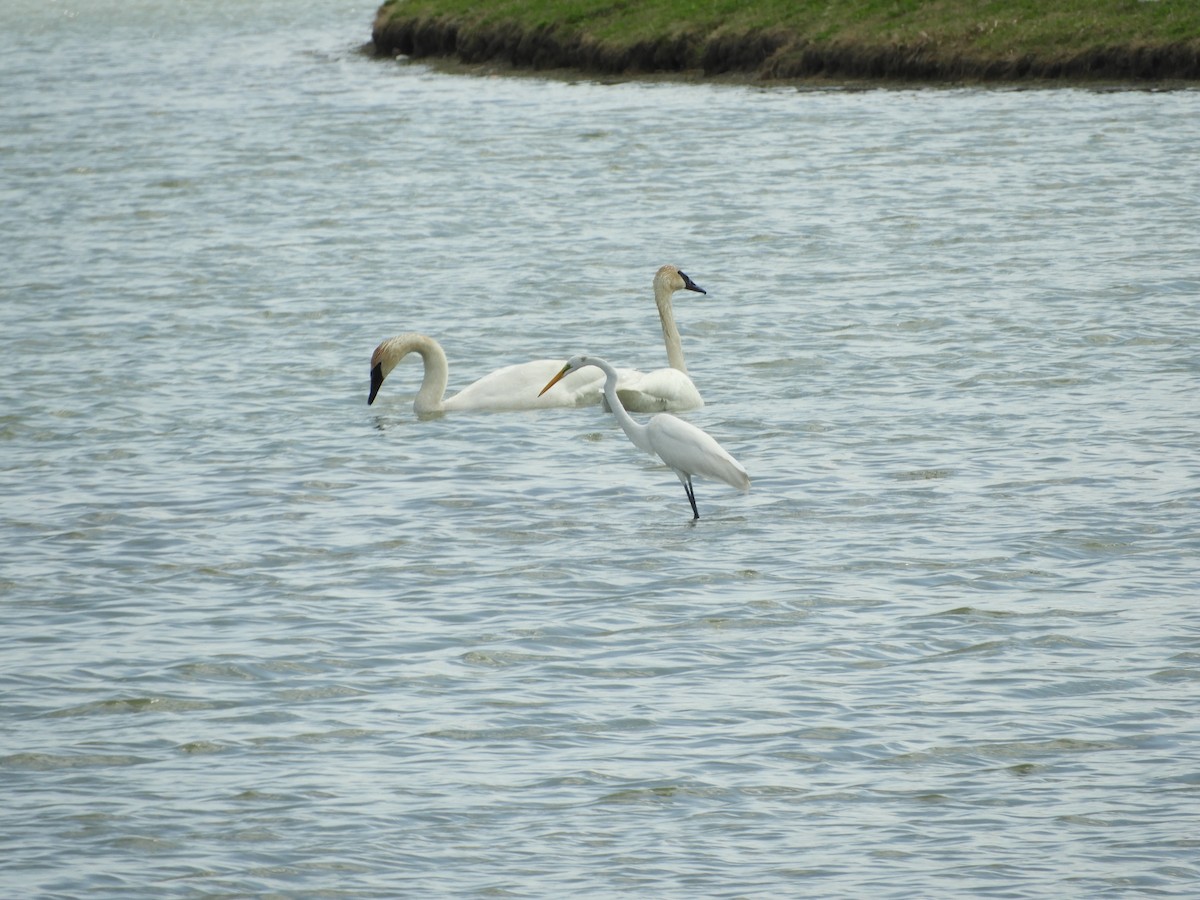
x=774, y=57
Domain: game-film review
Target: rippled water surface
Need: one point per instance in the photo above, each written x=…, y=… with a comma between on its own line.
x=262, y=639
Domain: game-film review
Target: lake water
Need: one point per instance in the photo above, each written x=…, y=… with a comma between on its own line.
x=261, y=639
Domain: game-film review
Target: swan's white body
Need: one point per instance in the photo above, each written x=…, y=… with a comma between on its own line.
x=515, y=387
x=681, y=445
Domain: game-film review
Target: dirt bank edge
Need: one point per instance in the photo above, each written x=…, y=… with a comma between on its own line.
x=768, y=56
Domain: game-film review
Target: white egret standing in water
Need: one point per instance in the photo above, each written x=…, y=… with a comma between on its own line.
x=681, y=445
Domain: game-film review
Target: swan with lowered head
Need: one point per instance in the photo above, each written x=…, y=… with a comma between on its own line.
x=509, y=388
x=681, y=445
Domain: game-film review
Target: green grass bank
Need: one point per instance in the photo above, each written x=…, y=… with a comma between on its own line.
x=941, y=41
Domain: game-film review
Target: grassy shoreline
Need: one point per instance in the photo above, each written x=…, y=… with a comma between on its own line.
x=948, y=41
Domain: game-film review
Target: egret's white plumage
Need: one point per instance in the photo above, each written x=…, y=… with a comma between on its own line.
x=681, y=445
x=513, y=387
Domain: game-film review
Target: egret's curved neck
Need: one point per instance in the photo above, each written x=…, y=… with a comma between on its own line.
x=662, y=296
x=634, y=430
x=437, y=370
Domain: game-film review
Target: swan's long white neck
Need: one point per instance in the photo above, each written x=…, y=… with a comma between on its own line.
x=437, y=370
x=662, y=296
x=634, y=430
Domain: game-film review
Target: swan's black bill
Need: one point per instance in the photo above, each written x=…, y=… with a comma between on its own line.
x=376, y=381
x=691, y=285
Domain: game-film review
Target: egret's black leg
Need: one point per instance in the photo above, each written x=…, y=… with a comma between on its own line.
x=691, y=492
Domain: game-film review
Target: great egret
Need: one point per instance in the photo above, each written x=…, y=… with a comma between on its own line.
x=509, y=388
x=681, y=445
x=513, y=387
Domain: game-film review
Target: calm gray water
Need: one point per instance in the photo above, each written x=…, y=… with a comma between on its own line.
x=260, y=639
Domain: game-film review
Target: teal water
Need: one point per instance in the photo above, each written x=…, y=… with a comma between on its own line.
x=260, y=639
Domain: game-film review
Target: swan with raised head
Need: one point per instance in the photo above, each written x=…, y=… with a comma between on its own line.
x=512, y=387
x=681, y=445
x=670, y=388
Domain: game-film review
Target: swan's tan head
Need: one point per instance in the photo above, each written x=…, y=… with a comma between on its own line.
x=377, y=357
x=388, y=354
x=670, y=279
